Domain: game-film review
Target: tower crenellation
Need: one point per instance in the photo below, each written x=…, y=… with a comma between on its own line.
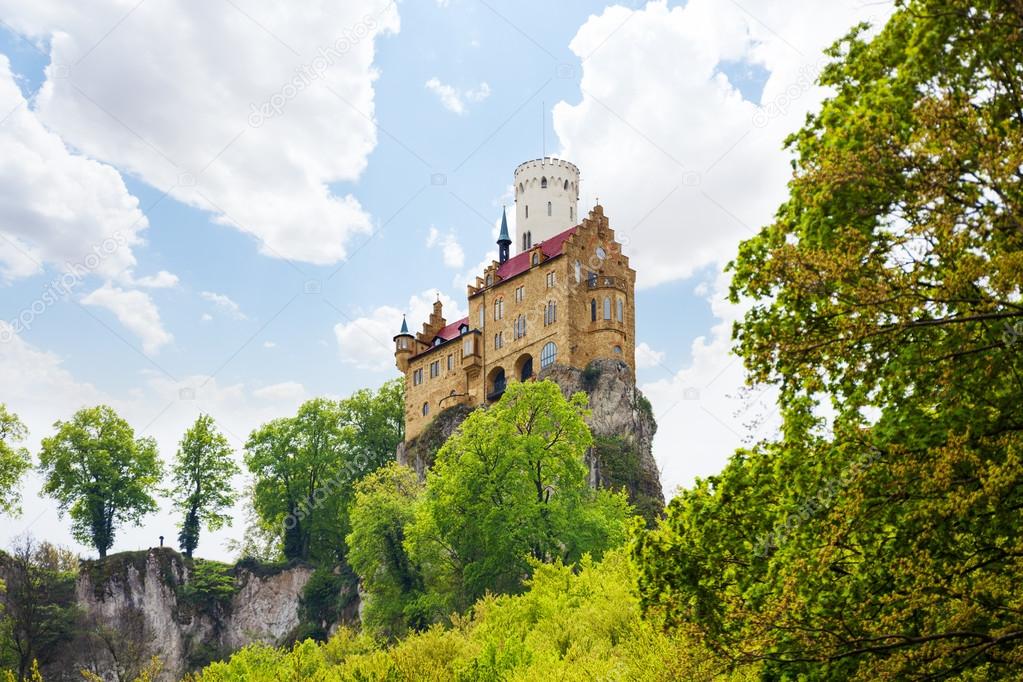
x=546, y=200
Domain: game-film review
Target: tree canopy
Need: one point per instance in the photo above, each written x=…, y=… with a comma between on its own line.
x=883, y=542
x=14, y=460
x=201, y=478
x=100, y=474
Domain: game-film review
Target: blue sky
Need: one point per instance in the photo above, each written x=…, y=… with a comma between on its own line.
x=675, y=114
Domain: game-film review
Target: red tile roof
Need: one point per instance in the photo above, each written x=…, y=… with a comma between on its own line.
x=451, y=331
x=520, y=263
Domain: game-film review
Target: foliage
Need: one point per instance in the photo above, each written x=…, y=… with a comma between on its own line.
x=324, y=597
x=305, y=467
x=14, y=461
x=201, y=478
x=38, y=605
x=510, y=484
x=383, y=508
x=590, y=376
x=885, y=544
x=100, y=473
x=209, y=583
x=571, y=625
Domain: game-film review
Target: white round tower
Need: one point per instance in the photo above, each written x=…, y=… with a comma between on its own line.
x=546, y=200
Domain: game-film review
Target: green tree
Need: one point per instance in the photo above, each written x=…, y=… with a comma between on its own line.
x=201, y=477
x=100, y=474
x=886, y=543
x=38, y=604
x=305, y=466
x=383, y=507
x=14, y=461
x=511, y=484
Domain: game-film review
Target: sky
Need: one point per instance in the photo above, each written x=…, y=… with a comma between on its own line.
x=225, y=207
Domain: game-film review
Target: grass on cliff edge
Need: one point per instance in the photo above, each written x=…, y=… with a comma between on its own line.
x=569, y=625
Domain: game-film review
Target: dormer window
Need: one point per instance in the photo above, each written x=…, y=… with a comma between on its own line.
x=536, y=258
x=437, y=341
x=463, y=329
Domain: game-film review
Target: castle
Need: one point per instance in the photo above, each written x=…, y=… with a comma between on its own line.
x=565, y=297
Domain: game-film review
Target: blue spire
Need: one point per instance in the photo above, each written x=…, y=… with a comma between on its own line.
x=404, y=325
x=503, y=237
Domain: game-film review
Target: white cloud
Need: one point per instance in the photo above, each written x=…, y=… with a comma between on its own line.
x=367, y=341
x=647, y=357
x=453, y=254
x=225, y=303
x=248, y=113
x=161, y=280
x=136, y=311
x=696, y=166
x=454, y=99
x=58, y=207
x=269, y=344
x=704, y=411
x=205, y=317
x=288, y=390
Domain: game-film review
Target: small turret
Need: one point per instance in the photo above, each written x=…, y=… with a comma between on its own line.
x=503, y=240
x=403, y=345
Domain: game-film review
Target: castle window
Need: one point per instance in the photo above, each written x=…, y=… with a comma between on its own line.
x=490, y=280
x=520, y=326
x=403, y=343
x=592, y=279
x=469, y=347
x=593, y=310
x=482, y=316
x=417, y=377
x=529, y=240
x=550, y=279
x=578, y=272
x=498, y=340
x=571, y=213
x=499, y=309
x=426, y=409
x=527, y=210
x=548, y=354
x=550, y=313
x=548, y=208
x=435, y=369
x=566, y=185
x=437, y=341
x=521, y=188
x=618, y=350
x=543, y=183
x=520, y=294
x=621, y=310
x=607, y=308
x=451, y=362
x=536, y=258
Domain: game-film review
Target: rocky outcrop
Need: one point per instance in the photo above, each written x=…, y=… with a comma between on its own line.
x=151, y=604
x=621, y=420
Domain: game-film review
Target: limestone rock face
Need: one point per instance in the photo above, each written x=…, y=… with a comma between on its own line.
x=419, y=452
x=623, y=427
x=139, y=595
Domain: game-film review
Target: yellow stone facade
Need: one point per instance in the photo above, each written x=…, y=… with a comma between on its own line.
x=575, y=291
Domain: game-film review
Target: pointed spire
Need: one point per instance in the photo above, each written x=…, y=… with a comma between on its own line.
x=504, y=227
x=503, y=240
x=404, y=325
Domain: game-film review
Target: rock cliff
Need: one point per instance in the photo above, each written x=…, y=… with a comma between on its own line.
x=152, y=603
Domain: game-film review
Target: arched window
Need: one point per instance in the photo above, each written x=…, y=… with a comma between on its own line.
x=548, y=208
x=536, y=259
x=520, y=326
x=521, y=188
x=490, y=280
x=529, y=239
x=571, y=213
x=543, y=183
x=550, y=314
x=607, y=307
x=499, y=309
x=548, y=354
x=618, y=350
x=578, y=272
x=524, y=247
x=621, y=310
x=426, y=409
x=593, y=310
x=527, y=210
x=566, y=185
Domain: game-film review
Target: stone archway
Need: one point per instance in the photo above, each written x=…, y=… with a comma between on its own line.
x=496, y=383
x=524, y=367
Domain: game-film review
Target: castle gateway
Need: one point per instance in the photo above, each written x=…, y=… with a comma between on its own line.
x=565, y=297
